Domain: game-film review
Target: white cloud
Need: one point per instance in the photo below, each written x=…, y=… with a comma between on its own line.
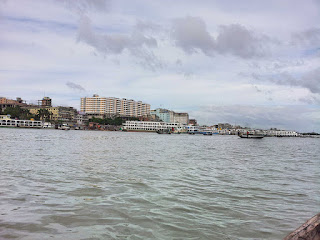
x=182, y=57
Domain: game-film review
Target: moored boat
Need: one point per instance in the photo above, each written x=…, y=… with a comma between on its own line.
x=65, y=127
x=251, y=135
x=164, y=131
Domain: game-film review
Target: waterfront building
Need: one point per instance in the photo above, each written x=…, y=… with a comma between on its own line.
x=82, y=119
x=64, y=114
x=6, y=121
x=222, y=126
x=193, y=122
x=4, y=103
x=151, y=126
x=181, y=118
x=94, y=105
x=45, y=102
x=171, y=116
x=281, y=133
x=164, y=115
x=110, y=106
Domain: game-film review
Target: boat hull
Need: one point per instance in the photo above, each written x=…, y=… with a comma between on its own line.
x=251, y=136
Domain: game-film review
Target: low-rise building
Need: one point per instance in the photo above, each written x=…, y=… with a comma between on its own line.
x=64, y=114
x=182, y=118
x=6, y=121
x=151, y=126
x=82, y=119
x=193, y=122
x=281, y=133
x=45, y=102
x=170, y=116
x=4, y=103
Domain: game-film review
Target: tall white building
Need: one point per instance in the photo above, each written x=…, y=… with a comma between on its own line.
x=111, y=105
x=93, y=105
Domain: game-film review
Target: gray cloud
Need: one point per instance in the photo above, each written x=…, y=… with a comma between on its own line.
x=83, y=6
x=191, y=34
x=136, y=43
x=310, y=100
x=309, y=80
x=283, y=117
x=145, y=26
x=310, y=37
x=237, y=40
x=75, y=86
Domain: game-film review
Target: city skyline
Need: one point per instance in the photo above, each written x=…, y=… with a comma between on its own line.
x=252, y=63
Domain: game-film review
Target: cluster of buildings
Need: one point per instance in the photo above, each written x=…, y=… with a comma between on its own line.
x=100, y=107
x=8, y=122
x=109, y=107
x=59, y=114
x=147, y=126
x=4, y=102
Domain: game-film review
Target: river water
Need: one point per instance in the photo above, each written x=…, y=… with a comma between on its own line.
x=118, y=185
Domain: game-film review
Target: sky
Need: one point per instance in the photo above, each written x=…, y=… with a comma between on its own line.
x=252, y=63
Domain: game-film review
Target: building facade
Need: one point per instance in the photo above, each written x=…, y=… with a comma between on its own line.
x=45, y=102
x=151, y=126
x=170, y=116
x=64, y=114
x=6, y=121
x=111, y=106
x=4, y=103
x=182, y=118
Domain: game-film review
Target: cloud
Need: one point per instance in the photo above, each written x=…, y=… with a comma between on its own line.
x=310, y=37
x=283, y=117
x=145, y=26
x=136, y=43
x=191, y=34
x=75, y=86
x=239, y=41
x=83, y=6
x=309, y=80
x=310, y=100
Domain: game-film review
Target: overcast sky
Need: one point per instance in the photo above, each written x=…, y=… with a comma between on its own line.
x=253, y=63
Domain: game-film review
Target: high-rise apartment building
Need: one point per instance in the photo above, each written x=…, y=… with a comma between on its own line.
x=94, y=105
x=112, y=106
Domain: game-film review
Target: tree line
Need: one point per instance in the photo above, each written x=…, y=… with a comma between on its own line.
x=24, y=114
x=117, y=121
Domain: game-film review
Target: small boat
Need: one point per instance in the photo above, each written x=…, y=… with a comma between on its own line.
x=164, y=131
x=65, y=127
x=207, y=133
x=251, y=135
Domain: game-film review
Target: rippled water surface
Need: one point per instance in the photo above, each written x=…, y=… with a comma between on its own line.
x=116, y=185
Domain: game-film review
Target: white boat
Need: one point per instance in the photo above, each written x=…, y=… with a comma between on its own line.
x=65, y=127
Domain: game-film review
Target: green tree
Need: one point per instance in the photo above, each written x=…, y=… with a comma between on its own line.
x=18, y=112
x=44, y=114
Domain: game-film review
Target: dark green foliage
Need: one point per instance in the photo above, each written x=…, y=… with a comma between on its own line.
x=18, y=112
x=44, y=114
x=118, y=121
